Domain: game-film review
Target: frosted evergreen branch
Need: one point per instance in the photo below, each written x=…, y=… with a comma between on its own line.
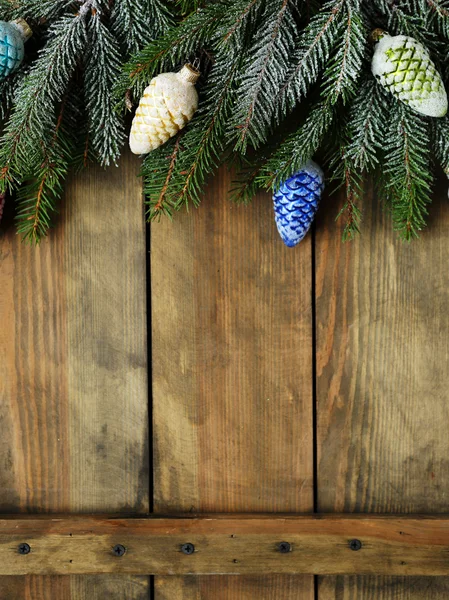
x=37, y=199
x=407, y=170
x=344, y=69
x=312, y=54
x=166, y=53
x=365, y=137
x=101, y=69
x=440, y=142
x=247, y=184
x=41, y=9
x=299, y=147
x=34, y=118
x=353, y=189
x=164, y=160
x=238, y=27
x=262, y=73
x=136, y=23
x=205, y=141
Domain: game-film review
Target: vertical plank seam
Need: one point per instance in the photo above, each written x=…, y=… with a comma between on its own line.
x=151, y=584
x=314, y=388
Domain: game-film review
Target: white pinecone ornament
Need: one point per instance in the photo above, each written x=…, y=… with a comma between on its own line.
x=403, y=66
x=167, y=105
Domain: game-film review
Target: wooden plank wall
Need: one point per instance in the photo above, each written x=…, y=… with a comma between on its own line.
x=73, y=371
x=232, y=377
x=382, y=383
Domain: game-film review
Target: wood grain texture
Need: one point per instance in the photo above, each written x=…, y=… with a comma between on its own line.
x=232, y=364
x=73, y=381
x=75, y=587
x=383, y=588
x=227, y=545
x=382, y=362
x=269, y=587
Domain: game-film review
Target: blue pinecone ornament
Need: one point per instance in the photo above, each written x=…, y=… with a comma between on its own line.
x=13, y=36
x=296, y=202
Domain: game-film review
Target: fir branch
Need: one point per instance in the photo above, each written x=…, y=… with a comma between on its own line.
x=440, y=142
x=299, y=147
x=204, y=141
x=188, y=6
x=365, y=137
x=41, y=9
x=344, y=68
x=408, y=178
x=159, y=203
x=247, y=184
x=167, y=52
x=34, y=115
x=135, y=23
x=315, y=46
x=262, y=73
x=235, y=32
x=37, y=199
x=353, y=189
x=179, y=176
x=101, y=69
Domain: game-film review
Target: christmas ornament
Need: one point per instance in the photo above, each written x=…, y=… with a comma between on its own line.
x=167, y=105
x=296, y=202
x=403, y=66
x=13, y=36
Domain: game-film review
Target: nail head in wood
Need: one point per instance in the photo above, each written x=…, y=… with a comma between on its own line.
x=188, y=548
x=355, y=545
x=24, y=548
x=284, y=547
x=119, y=550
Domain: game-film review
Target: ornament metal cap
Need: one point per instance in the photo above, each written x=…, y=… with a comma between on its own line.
x=25, y=30
x=377, y=35
x=189, y=73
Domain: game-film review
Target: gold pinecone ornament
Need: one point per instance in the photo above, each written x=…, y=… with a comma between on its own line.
x=403, y=66
x=167, y=105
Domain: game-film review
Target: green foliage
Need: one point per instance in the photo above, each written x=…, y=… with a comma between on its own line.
x=263, y=70
x=167, y=52
x=197, y=152
x=409, y=178
x=101, y=69
x=282, y=82
x=299, y=147
x=58, y=109
x=136, y=23
x=322, y=64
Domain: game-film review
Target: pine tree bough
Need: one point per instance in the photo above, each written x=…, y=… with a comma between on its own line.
x=283, y=82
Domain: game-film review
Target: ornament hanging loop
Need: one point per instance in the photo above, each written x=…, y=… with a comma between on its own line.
x=196, y=64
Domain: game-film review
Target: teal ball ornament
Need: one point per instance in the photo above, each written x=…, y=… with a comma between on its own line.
x=13, y=36
x=296, y=202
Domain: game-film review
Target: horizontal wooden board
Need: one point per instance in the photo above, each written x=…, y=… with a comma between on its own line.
x=227, y=545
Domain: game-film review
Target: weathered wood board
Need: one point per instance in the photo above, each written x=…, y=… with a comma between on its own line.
x=226, y=544
x=382, y=383
x=73, y=370
x=232, y=374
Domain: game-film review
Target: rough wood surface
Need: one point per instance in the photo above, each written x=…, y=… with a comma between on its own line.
x=382, y=363
x=227, y=545
x=232, y=367
x=269, y=587
x=73, y=379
